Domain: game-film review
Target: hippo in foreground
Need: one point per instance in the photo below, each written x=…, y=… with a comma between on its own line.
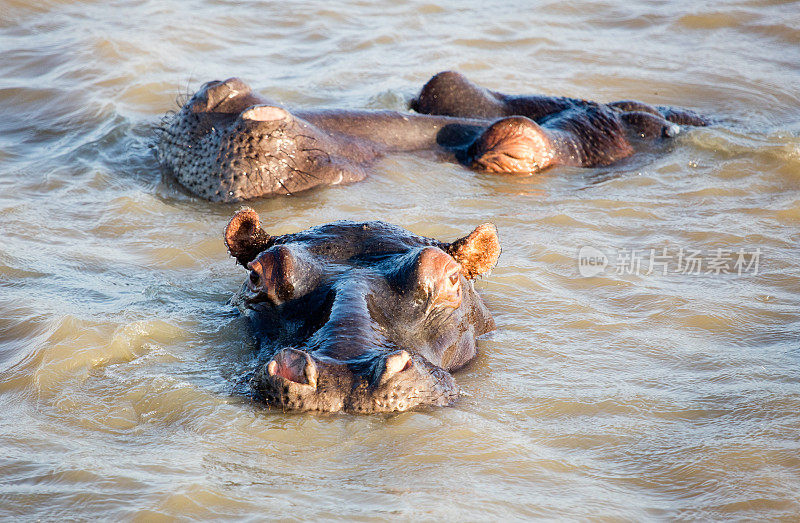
x=360, y=317
x=230, y=144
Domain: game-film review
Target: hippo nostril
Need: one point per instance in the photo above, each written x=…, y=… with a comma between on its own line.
x=454, y=278
x=294, y=366
x=396, y=363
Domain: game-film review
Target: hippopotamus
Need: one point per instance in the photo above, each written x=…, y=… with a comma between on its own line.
x=229, y=144
x=360, y=317
x=533, y=132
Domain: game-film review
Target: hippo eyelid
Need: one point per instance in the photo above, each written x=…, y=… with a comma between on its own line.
x=451, y=275
x=448, y=294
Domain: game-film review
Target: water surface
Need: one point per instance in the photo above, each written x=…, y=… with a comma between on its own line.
x=623, y=395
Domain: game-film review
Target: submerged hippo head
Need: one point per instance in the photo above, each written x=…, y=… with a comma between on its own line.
x=362, y=317
x=513, y=145
x=229, y=144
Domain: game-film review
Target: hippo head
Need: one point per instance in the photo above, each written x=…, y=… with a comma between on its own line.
x=229, y=144
x=361, y=317
x=513, y=145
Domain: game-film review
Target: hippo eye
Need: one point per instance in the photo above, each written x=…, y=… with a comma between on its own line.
x=453, y=278
x=449, y=294
x=439, y=274
x=281, y=274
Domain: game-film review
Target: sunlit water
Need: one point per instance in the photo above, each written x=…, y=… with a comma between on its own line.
x=624, y=395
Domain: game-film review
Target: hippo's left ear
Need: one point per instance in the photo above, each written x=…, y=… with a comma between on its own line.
x=244, y=236
x=478, y=252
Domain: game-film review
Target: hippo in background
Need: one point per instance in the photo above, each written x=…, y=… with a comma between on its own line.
x=229, y=144
x=360, y=317
x=534, y=132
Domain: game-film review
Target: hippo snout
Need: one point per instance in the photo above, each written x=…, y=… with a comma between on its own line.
x=294, y=380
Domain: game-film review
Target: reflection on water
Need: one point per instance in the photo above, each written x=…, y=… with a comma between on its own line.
x=624, y=395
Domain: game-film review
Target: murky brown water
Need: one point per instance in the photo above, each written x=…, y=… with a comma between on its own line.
x=625, y=395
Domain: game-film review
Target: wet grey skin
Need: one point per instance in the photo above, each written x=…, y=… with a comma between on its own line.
x=360, y=317
x=229, y=144
x=535, y=131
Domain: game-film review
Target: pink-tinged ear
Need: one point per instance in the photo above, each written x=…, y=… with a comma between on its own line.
x=244, y=236
x=477, y=253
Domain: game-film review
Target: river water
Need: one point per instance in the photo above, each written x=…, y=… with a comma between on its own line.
x=663, y=390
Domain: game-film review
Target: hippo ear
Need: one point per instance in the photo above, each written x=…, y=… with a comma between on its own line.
x=244, y=236
x=478, y=252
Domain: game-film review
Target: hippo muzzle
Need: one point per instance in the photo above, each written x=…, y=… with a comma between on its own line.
x=295, y=380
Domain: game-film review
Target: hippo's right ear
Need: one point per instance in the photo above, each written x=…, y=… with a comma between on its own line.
x=477, y=252
x=244, y=236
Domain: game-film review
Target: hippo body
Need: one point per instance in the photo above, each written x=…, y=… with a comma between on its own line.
x=360, y=317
